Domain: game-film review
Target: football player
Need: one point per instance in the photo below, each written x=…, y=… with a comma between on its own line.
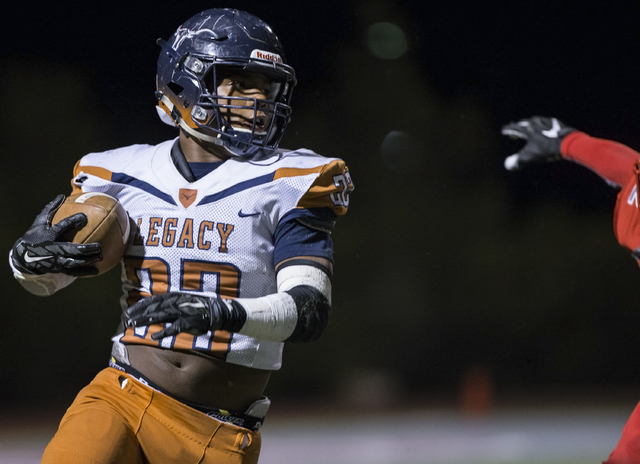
x=232, y=255
x=547, y=140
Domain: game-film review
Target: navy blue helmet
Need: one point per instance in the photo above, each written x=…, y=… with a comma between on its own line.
x=195, y=60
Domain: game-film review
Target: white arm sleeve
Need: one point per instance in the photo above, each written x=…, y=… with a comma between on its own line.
x=41, y=285
x=290, y=276
x=274, y=317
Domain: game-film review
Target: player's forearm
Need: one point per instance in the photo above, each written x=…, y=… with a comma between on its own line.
x=299, y=312
x=611, y=160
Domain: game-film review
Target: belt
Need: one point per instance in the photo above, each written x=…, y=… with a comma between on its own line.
x=236, y=418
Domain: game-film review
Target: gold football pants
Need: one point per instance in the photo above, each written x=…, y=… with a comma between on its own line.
x=116, y=419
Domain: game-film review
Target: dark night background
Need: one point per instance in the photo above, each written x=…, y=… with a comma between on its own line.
x=446, y=263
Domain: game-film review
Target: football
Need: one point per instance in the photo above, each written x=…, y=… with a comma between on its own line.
x=108, y=224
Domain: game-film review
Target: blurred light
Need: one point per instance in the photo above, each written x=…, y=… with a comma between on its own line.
x=386, y=41
x=401, y=152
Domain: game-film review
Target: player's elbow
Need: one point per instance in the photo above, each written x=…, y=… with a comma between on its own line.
x=313, y=313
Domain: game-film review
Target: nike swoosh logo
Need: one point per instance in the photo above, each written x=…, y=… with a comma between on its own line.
x=241, y=214
x=554, y=131
x=194, y=304
x=35, y=259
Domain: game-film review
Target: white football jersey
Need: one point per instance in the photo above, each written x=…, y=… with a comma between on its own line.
x=214, y=236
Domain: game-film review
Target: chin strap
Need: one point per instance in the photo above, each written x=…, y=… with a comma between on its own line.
x=198, y=135
x=176, y=120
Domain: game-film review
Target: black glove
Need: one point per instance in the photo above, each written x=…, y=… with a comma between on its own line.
x=188, y=312
x=43, y=249
x=544, y=137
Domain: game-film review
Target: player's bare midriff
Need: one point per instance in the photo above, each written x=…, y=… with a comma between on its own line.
x=200, y=379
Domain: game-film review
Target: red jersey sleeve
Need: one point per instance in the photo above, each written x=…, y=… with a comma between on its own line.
x=611, y=160
x=614, y=162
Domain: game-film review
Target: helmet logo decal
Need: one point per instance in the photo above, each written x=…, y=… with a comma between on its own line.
x=262, y=55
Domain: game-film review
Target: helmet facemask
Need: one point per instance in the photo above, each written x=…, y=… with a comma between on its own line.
x=242, y=115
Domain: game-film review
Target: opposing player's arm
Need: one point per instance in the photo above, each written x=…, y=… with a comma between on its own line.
x=548, y=139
